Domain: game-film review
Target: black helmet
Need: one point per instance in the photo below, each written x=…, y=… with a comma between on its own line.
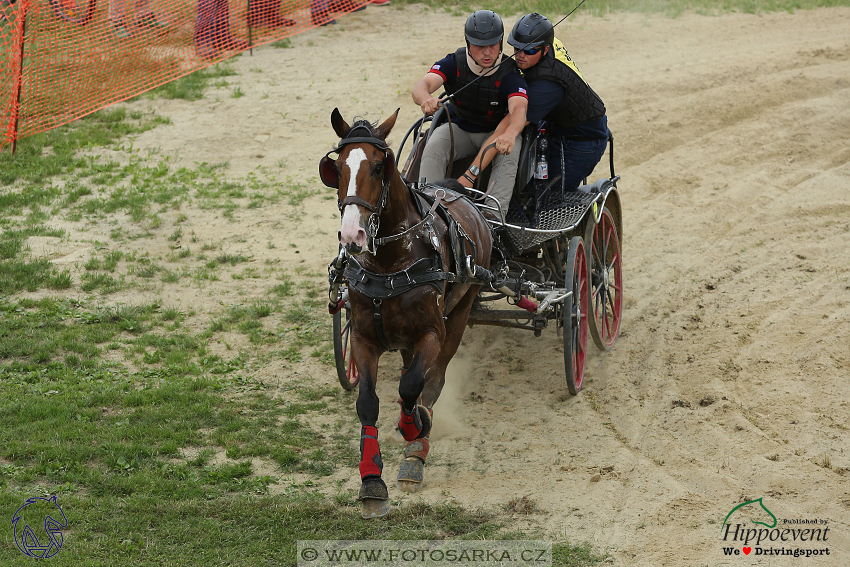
x=484, y=27
x=532, y=30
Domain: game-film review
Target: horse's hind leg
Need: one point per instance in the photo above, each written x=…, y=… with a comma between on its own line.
x=374, y=497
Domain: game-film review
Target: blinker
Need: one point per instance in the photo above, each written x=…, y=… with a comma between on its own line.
x=328, y=173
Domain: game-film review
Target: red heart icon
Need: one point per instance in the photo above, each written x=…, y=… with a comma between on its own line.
x=747, y=550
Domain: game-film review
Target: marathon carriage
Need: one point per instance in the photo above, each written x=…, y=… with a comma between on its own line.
x=556, y=258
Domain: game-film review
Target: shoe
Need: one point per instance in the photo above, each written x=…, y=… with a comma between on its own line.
x=342, y=6
x=322, y=20
x=380, y=2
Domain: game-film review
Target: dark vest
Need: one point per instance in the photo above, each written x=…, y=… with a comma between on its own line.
x=482, y=103
x=579, y=104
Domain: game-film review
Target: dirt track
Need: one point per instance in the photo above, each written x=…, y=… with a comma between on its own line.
x=729, y=380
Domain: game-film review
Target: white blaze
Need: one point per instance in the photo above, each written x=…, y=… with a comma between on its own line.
x=351, y=214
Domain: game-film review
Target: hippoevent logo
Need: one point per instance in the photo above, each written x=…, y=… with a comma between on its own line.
x=37, y=526
x=798, y=537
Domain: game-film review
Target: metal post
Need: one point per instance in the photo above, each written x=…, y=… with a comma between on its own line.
x=250, y=34
x=19, y=78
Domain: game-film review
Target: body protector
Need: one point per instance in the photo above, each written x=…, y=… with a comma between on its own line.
x=482, y=103
x=580, y=103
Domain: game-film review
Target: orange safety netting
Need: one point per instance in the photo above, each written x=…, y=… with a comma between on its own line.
x=63, y=59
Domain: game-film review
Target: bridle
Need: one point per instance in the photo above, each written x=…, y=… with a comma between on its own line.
x=330, y=177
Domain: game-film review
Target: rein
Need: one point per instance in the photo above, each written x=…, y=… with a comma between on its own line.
x=429, y=216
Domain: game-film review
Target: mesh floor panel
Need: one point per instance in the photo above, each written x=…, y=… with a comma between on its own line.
x=552, y=219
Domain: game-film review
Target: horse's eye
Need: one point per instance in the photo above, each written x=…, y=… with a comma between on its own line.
x=379, y=169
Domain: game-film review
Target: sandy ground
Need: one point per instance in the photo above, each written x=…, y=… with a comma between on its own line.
x=733, y=142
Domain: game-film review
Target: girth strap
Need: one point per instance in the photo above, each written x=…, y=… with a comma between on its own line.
x=379, y=325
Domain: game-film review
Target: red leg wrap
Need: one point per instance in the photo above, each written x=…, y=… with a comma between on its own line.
x=370, y=453
x=410, y=425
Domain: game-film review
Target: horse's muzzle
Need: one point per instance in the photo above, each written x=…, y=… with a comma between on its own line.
x=353, y=249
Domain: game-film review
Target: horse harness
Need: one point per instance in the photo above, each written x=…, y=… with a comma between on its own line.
x=424, y=271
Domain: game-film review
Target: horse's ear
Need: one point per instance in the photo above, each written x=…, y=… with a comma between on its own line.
x=328, y=173
x=341, y=127
x=383, y=130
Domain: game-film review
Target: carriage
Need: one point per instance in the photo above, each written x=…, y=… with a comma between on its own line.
x=556, y=258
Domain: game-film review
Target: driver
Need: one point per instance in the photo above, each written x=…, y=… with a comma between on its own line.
x=557, y=92
x=495, y=90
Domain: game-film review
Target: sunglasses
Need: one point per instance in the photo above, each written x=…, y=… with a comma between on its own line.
x=532, y=51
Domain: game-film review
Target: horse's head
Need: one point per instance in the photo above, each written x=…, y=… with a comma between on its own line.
x=362, y=173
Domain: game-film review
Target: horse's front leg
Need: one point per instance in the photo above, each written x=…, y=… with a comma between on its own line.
x=374, y=497
x=415, y=420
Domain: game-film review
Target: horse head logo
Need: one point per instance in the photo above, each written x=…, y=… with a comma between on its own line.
x=763, y=507
x=46, y=540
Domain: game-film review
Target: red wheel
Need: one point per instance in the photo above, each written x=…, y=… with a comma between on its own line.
x=575, y=315
x=346, y=370
x=606, y=278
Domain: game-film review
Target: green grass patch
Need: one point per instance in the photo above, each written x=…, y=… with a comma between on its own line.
x=193, y=85
x=55, y=152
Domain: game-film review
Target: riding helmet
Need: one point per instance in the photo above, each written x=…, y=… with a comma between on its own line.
x=532, y=30
x=484, y=27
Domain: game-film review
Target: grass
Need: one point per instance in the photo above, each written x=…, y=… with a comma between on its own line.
x=193, y=85
x=252, y=530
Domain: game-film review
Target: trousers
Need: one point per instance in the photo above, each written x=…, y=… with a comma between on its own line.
x=579, y=159
x=435, y=160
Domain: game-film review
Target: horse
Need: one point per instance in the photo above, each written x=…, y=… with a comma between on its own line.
x=411, y=288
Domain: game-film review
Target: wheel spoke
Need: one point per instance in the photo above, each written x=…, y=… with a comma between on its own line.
x=613, y=263
x=352, y=370
x=345, y=343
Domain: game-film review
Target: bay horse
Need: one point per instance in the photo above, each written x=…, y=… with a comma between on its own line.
x=411, y=288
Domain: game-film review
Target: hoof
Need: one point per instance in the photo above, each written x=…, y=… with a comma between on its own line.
x=374, y=508
x=374, y=498
x=373, y=488
x=411, y=474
